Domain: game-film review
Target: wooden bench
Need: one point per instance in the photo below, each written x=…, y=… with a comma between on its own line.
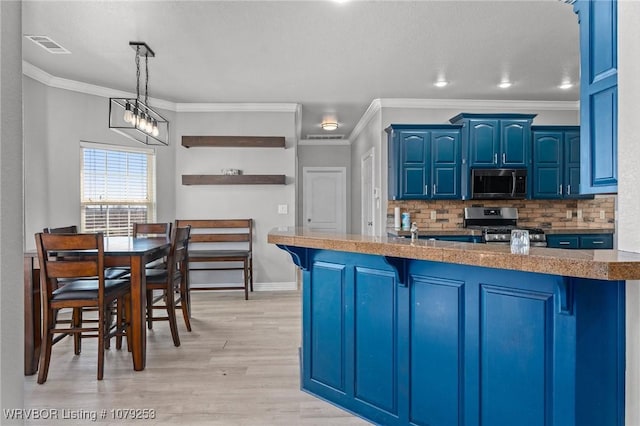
x=207, y=245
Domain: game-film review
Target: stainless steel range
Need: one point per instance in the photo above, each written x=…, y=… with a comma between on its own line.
x=496, y=224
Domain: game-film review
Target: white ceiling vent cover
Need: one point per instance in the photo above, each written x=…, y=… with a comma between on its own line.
x=325, y=137
x=47, y=44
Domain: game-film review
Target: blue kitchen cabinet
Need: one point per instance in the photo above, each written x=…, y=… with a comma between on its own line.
x=598, y=95
x=580, y=241
x=497, y=140
x=556, y=162
x=406, y=342
x=424, y=162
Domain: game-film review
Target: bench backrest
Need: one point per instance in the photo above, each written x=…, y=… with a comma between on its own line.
x=205, y=233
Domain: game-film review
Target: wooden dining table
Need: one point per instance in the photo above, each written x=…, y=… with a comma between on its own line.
x=134, y=253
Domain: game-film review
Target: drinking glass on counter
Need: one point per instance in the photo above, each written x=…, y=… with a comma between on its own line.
x=519, y=241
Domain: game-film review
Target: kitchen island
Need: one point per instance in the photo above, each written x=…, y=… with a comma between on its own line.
x=445, y=333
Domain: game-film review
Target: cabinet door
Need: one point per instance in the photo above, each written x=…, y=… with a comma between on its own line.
x=572, y=165
x=598, y=96
x=483, y=143
x=445, y=164
x=547, y=165
x=563, y=241
x=414, y=148
x=515, y=143
x=600, y=241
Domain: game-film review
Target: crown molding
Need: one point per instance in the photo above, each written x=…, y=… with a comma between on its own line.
x=460, y=104
x=47, y=79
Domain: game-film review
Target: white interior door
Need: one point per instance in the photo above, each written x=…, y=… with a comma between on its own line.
x=325, y=198
x=367, y=190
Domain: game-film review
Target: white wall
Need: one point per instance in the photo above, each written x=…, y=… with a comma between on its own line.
x=55, y=122
x=11, y=311
x=324, y=156
x=628, y=188
x=272, y=267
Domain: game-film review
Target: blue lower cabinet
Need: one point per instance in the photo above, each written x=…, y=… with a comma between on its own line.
x=408, y=342
x=581, y=241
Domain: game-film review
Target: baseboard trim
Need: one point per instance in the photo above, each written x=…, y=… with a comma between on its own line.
x=274, y=286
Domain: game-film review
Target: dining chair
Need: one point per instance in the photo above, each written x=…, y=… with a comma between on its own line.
x=172, y=281
x=149, y=230
x=85, y=286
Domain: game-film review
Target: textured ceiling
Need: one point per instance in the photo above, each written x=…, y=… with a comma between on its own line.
x=332, y=58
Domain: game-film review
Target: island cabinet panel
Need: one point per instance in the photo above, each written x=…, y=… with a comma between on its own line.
x=515, y=336
x=414, y=342
x=436, y=350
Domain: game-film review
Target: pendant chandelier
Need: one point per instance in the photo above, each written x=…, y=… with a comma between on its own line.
x=134, y=118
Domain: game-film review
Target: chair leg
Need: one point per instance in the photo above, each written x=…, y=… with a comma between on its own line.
x=251, y=271
x=47, y=342
x=149, y=309
x=246, y=280
x=184, y=301
x=102, y=327
x=171, y=314
x=76, y=322
x=119, y=321
x=127, y=319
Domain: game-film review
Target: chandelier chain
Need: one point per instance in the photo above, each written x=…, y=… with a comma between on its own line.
x=137, y=75
x=146, y=79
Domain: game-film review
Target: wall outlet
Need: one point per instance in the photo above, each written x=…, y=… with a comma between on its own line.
x=283, y=209
x=433, y=215
x=569, y=214
x=602, y=214
x=579, y=214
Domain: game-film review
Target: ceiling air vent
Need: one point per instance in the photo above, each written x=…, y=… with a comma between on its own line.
x=47, y=44
x=325, y=137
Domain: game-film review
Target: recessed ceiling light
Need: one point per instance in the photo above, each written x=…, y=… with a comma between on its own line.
x=504, y=84
x=566, y=85
x=329, y=125
x=441, y=83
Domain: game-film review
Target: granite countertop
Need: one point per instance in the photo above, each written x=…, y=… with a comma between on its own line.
x=473, y=231
x=596, y=264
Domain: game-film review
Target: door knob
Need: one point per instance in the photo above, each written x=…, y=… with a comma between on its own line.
x=308, y=220
x=369, y=223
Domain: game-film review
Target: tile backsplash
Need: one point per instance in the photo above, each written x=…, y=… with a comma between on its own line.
x=549, y=214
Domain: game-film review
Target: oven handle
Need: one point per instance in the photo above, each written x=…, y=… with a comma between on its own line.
x=513, y=184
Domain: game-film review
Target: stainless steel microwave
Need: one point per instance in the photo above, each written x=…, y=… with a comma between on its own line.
x=498, y=184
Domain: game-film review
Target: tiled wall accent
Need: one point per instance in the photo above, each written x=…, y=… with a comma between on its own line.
x=533, y=213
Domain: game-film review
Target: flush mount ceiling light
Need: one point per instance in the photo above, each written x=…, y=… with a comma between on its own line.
x=441, y=83
x=134, y=118
x=504, y=84
x=329, y=125
x=565, y=85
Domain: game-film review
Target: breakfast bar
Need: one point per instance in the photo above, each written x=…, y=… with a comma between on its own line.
x=446, y=333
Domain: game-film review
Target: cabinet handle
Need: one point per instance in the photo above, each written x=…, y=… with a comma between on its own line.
x=504, y=158
x=434, y=189
x=560, y=189
x=598, y=242
x=495, y=158
x=426, y=190
x=568, y=189
x=564, y=243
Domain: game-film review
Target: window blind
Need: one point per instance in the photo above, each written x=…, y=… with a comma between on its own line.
x=117, y=189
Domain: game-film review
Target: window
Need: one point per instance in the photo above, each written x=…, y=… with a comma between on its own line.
x=117, y=188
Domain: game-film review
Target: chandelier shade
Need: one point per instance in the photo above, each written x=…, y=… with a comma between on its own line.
x=133, y=117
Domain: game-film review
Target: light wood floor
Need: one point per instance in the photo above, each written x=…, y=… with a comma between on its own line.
x=239, y=366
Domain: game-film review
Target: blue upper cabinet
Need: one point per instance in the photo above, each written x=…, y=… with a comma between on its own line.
x=598, y=95
x=497, y=140
x=424, y=162
x=556, y=162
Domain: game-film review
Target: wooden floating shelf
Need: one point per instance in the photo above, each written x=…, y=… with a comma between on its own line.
x=233, y=179
x=234, y=141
